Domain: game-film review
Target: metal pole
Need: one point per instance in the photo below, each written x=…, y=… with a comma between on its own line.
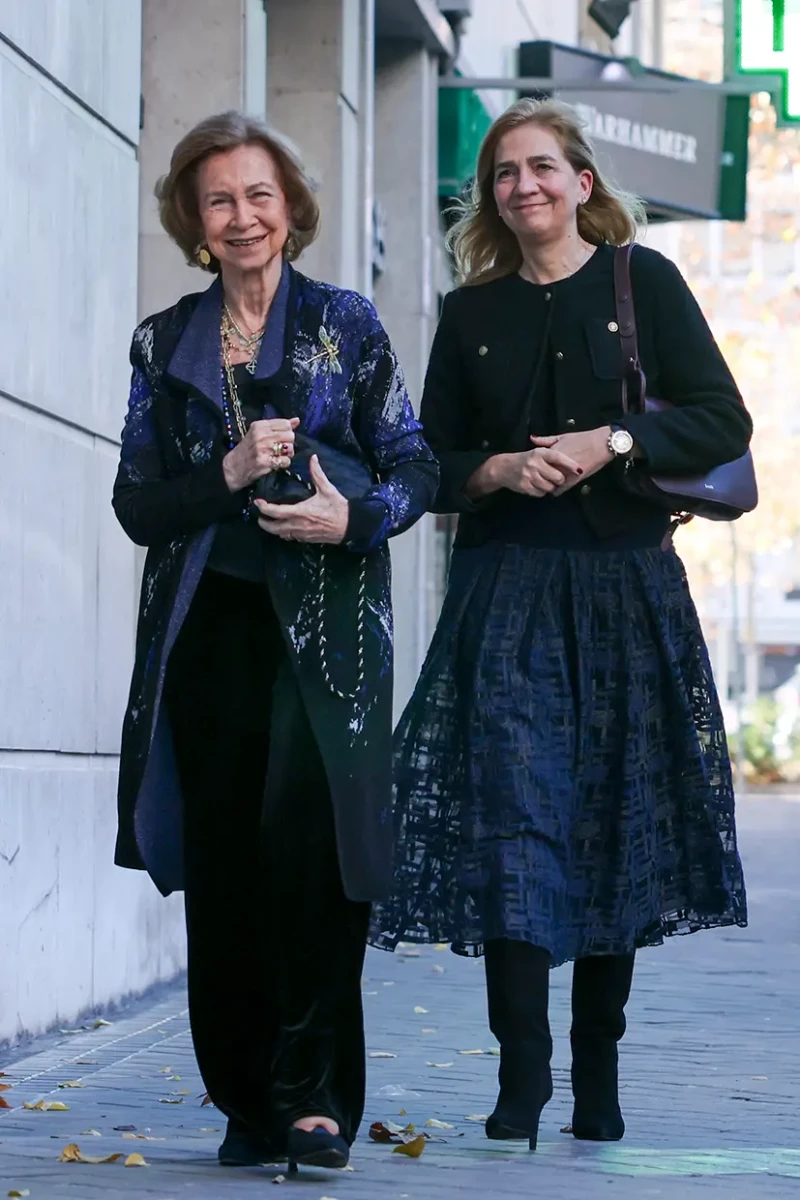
x=643, y=83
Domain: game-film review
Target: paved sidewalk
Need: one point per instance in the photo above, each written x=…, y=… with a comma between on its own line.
x=711, y=1075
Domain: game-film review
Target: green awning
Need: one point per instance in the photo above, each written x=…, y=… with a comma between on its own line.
x=463, y=123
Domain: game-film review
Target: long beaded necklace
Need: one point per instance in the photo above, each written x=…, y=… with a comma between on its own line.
x=231, y=404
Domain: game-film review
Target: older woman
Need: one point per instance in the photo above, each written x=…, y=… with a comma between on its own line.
x=564, y=790
x=255, y=769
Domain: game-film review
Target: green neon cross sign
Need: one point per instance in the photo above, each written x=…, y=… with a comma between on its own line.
x=768, y=44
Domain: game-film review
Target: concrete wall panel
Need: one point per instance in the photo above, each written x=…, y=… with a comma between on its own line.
x=90, y=46
x=68, y=259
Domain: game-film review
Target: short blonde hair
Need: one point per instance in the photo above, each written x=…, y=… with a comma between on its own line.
x=176, y=191
x=482, y=244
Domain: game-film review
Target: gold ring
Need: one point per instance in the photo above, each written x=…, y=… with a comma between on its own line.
x=277, y=448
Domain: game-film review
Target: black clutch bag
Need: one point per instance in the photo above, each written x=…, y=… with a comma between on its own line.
x=349, y=475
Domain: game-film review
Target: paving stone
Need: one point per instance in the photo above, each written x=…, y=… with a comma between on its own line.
x=710, y=1078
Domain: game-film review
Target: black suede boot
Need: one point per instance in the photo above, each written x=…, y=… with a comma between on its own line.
x=601, y=986
x=518, y=984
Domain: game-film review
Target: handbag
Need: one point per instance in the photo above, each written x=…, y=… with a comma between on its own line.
x=349, y=475
x=723, y=493
x=292, y=485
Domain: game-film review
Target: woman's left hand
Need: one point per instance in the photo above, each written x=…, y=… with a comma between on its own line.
x=589, y=450
x=322, y=518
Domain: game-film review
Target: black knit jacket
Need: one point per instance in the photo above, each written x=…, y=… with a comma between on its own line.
x=477, y=398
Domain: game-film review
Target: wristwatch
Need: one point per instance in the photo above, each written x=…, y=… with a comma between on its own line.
x=620, y=442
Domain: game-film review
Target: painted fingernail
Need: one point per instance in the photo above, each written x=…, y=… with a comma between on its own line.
x=579, y=470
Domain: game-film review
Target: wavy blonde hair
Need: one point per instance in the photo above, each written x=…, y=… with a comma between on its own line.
x=484, y=247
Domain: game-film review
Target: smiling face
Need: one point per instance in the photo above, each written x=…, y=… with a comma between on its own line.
x=243, y=207
x=536, y=190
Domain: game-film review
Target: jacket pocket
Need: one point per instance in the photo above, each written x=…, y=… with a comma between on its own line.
x=605, y=347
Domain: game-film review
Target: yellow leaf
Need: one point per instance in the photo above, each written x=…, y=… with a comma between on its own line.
x=187, y=1093
x=135, y=1160
x=411, y=1149
x=46, y=1106
x=19, y=1192
x=73, y=1154
x=72, y=1083
x=434, y=1124
x=99, y=1023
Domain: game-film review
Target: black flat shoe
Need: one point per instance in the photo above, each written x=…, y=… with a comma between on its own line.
x=317, y=1148
x=243, y=1148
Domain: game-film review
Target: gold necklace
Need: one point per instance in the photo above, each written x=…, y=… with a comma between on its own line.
x=233, y=391
x=252, y=348
x=248, y=340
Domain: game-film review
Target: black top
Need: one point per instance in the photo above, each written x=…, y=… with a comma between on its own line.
x=240, y=544
x=479, y=400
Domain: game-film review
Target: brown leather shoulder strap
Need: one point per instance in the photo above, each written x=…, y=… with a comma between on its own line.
x=626, y=319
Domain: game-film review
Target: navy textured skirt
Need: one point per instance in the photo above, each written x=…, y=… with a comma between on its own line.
x=562, y=773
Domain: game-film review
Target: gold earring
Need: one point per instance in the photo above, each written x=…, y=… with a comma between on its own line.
x=204, y=256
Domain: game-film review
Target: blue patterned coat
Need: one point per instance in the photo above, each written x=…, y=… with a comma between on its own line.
x=170, y=494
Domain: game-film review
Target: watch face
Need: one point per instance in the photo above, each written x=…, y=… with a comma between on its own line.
x=621, y=441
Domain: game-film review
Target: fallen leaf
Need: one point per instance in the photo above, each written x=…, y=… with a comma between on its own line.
x=393, y=1127
x=279, y=1179
x=206, y=1101
x=72, y=1083
x=171, y=1100
x=186, y=1093
x=99, y=1023
x=437, y=969
x=402, y=1113
x=566, y=1129
x=420, y=1011
x=85, y=1062
x=378, y=1132
x=470, y=1052
x=382, y=1054
x=5, y=1087
x=434, y=1124
x=477, y=1117
x=3, y=1075
x=411, y=1149
x=441, y=946
x=760, y=1077
x=4, y=1103
x=165, y=1071
x=495, y=1051
x=19, y=1192
x=136, y=1160
x=441, y=1065
x=72, y=1153
x=47, y=1106
x=173, y=1078
x=207, y=1129
x=429, y=1030
x=370, y=993
x=91, y=1133
x=388, y=983
x=124, y=1129
x=81, y=1030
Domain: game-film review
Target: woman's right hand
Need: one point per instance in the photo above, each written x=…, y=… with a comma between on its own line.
x=255, y=455
x=530, y=473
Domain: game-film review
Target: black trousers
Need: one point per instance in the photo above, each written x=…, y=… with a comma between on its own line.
x=276, y=949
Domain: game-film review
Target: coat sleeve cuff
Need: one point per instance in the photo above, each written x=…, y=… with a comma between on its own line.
x=457, y=468
x=365, y=521
x=646, y=435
